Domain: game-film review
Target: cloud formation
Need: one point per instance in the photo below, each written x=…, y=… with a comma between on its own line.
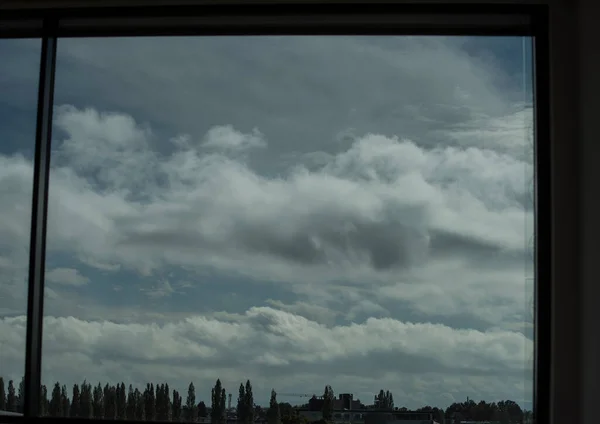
x=384, y=210
x=273, y=341
x=384, y=206
x=294, y=218
x=66, y=276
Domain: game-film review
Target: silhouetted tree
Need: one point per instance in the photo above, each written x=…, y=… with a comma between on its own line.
x=223, y=406
x=140, y=405
x=2, y=395
x=110, y=402
x=191, y=412
x=149, y=403
x=217, y=413
x=160, y=414
x=44, y=404
x=86, y=402
x=75, y=401
x=21, y=396
x=64, y=398
x=241, y=404
x=248, y=404
x=176, y=406
x=202, y=409
x=167, y=402
x=131, y=403
x=56, y=403
x=121, y=402
x=11, y=398
x=98, y=402
x=328, y=398
x=273, y=414
x=163, y=402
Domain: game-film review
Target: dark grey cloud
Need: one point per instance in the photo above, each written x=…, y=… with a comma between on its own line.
x=299, y=90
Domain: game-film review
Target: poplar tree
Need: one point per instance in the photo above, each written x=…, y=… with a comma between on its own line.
x=131, y=402
x=11, y=398
x=191, y=413
x=43, y=401
x=121, y=402
x=98, y=402
x=249, y=404
x=86, y=402
x=56, y=404
x=2, y=395
x=328, y=403
x=75, y=401
x=217, y=413
x=241, y=404
x=64, y=398
x=176, y=406
x=273, y=414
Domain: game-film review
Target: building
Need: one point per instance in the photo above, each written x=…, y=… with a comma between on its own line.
x=397, y=417
x=339, y=416
x=371, y=416
x=346, y=401
x=343, y=401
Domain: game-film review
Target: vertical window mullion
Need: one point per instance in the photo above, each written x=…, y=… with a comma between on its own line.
x=543, y=224
x=37, y=247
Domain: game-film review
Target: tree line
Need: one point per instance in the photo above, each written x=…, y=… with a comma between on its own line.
x=157, y=402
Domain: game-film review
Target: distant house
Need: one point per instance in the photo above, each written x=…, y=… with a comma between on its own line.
x=338, y=416
x=397, y=417
x=344, y=401
x=371, y=416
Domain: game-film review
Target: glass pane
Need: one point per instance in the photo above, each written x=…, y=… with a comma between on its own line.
x=19, y=70
x=296, y=213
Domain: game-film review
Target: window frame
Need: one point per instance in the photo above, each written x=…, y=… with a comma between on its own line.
x=286, y=18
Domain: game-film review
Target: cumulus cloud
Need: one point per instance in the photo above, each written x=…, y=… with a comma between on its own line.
x=385, y=204
x=380, y=240
x=383, y=213
x=291, y=341
x=66, y=276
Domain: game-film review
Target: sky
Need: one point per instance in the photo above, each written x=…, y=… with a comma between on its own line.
x=297, y=211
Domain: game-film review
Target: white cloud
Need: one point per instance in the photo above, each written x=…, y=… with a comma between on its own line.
x=385, y=213
x=67, y=276
x=295, y=346
x=99, y=265
x=377, y=205
x=227, y=138
x=421, y=212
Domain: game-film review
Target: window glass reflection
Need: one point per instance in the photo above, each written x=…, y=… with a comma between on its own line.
x=19, y=69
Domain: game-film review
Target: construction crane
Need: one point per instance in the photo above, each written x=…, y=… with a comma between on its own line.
x=298, y=395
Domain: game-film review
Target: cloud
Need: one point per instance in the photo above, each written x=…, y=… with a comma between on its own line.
x=384, y=204
x=383, y=211
x=66, y=276
x=380, y=240
x=162, y=289
x=295, y=344
x=99, y=265
x=227, y=138
x=306, y=310
x=384, y=215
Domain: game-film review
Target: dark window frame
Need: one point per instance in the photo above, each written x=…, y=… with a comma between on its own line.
x=285, y=18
